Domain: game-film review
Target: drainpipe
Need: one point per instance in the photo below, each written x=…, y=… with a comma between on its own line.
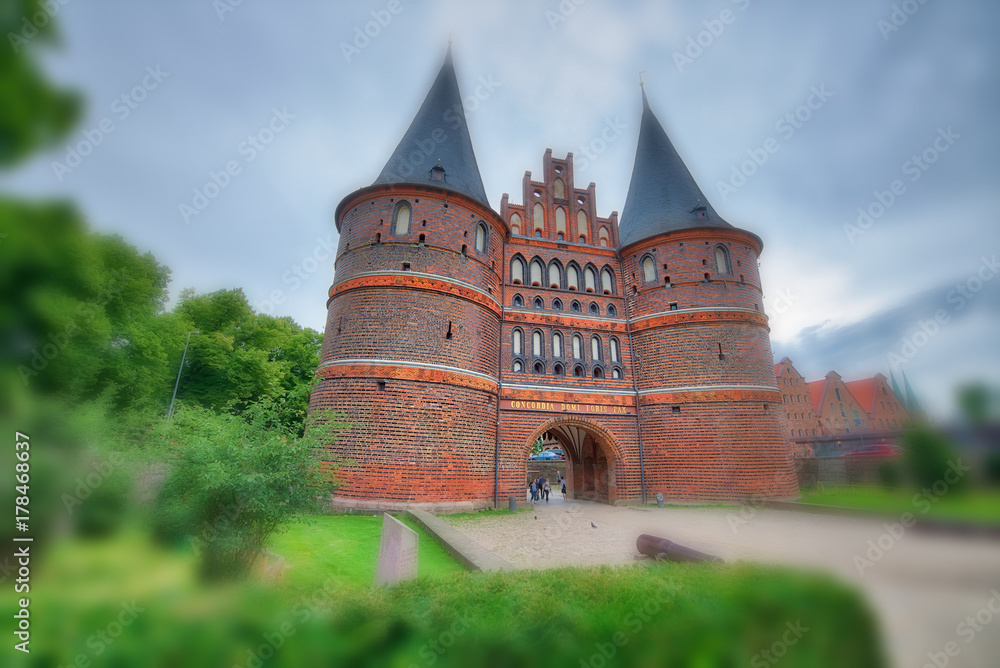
x=635, y=388
x=496, y=447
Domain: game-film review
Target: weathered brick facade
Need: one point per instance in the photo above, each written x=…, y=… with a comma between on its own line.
x=458, y=337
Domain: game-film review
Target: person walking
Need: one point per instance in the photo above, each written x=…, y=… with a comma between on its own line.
x=564, y=487
x=534, y=490
x=547, y=490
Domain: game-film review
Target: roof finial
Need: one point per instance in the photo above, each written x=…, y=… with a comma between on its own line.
x=641, y=82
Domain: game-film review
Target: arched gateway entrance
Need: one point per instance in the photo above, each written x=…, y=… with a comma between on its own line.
x=590, y=458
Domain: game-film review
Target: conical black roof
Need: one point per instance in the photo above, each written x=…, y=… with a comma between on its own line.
x=662, y=196
x=438, y=136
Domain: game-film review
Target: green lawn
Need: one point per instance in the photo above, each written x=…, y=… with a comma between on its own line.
x=342, y=549
x=974, y=505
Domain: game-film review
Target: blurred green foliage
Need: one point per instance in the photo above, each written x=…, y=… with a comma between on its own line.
x=125, y=604
x=34, y=113
x=233, y=481
x=928, y=456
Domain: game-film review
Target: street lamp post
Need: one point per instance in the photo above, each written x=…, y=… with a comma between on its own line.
x=170, y=412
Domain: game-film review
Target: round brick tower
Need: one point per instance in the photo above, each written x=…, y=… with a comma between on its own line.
x=411, y=347
x=709, y=406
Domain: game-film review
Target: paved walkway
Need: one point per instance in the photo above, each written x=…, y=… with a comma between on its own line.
x=923, y=586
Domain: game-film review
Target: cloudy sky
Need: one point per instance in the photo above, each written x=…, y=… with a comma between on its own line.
x=861, y=105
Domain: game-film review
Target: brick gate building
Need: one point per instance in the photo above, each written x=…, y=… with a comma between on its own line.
x=457, y=335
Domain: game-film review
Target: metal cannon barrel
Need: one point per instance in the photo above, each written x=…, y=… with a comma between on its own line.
x=661, y=548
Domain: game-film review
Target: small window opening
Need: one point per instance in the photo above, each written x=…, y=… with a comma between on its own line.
x=673, y=306
x=381, y=386
x=424, y=237
x=406, y=266
x=721, y=356
x=675, y=409
x=448, y=335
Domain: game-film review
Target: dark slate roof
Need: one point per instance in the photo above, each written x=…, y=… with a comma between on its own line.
x=662, y=196
x=438, y=135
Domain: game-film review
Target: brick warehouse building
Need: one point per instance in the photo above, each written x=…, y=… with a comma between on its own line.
x=457, y=335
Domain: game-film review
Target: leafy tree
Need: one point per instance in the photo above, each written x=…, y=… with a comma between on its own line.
x=240, y=356
x=34, y=114
x=234, y=481
x=928, y=455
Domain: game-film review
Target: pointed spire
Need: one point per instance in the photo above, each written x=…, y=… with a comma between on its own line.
x=437, y=149
x=895, y=388
x=911, y=398
x=662, y=196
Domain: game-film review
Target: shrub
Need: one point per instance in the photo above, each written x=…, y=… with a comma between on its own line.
x=888, y=474
x=232, y=482
x=928, y=456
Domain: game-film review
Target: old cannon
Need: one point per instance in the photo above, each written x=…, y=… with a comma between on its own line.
x=661, y=548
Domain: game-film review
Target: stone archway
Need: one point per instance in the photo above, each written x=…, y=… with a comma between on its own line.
x=591, y=458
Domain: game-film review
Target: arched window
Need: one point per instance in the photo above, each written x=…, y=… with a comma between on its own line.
x=602, y=236
x=722, y=260
x=518, y=342
x=538, y=217
x=401, y=217
x=612, y=311
x=517, y=271
x=554, y=275
x=557, y=345
x=581, y=223
x=607, y=281
x=518, y=301
x=595, y=309
x=578, y=371
x=648, y=269
x=558, y=189
x=515, y=223
x=560, y=220
x=577, y=347
x=572, y=278
x=518, y=367
x=598, y=372
x=556, y=304
x=539, y=367
x=538, y=303
x=481, y=237
x=536, y=272
x=616, y=373
x=614, y=350
x=595, y=348
x=557, y=369
x=574, y=306
x=589, y=280
x=536, y=344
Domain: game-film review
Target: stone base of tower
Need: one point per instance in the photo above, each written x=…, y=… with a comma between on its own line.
x=716, y=451
x=410, y=443
x=348, y=505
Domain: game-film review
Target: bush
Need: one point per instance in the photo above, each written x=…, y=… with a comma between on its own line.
x=889, y=475
x=232, y=482
x=928, y=456
x=676, y=615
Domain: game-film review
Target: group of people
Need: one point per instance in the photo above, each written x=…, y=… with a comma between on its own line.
x=541, y=488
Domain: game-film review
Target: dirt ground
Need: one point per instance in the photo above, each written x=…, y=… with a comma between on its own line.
x=923, y=586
